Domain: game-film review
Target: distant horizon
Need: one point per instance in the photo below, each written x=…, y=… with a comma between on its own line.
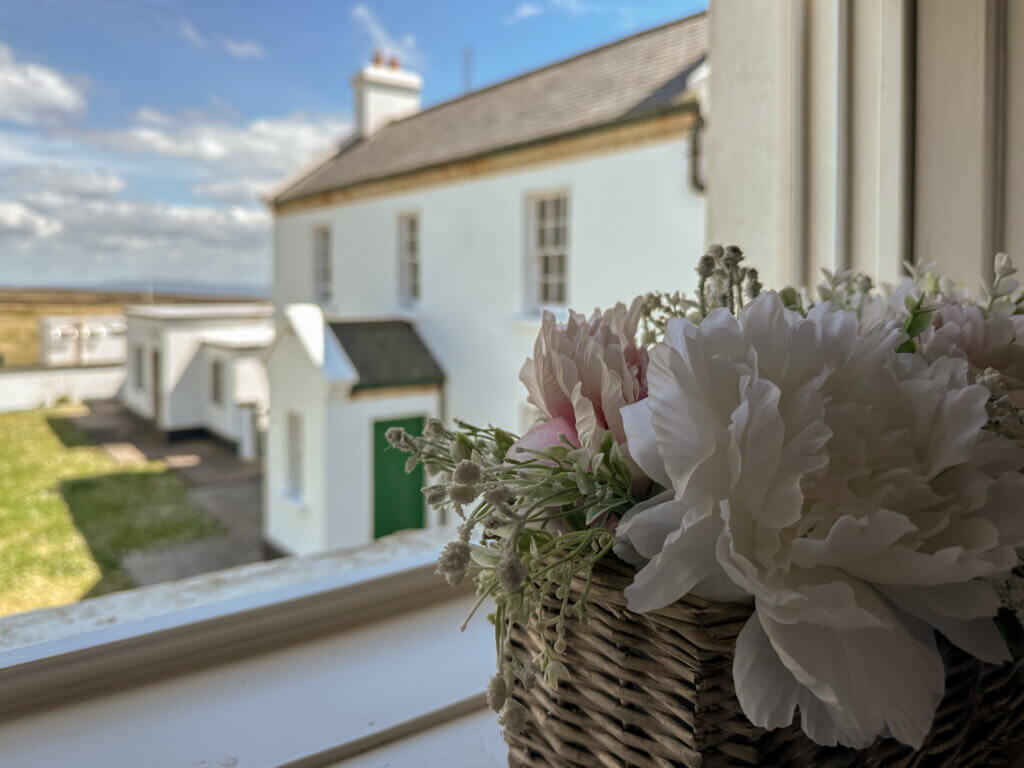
x=159, y=287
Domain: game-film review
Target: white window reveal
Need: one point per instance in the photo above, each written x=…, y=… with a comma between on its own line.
x=551, y=249
x=295, y=469
x=137, y=367
x=323, y=288
x=409, y=258
x=217, y=382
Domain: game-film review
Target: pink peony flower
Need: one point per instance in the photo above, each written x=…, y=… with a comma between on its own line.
x=965, y=332
x=586, y=370
x=542, y=437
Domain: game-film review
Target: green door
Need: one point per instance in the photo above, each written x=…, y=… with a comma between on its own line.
x=397, y=498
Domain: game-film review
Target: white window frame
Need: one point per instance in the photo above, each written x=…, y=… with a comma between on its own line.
x=294, y=454
x=410, y=266
x=548, y=247
x=217, y=381
x=323, y=272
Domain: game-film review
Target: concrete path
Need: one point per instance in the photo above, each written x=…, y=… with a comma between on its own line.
x=227, y=488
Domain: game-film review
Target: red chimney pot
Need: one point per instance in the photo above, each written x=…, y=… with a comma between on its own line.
x=394, y=62
x=378, y=58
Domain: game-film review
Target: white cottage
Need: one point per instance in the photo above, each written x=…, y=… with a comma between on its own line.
x=442, y=234
x=200, y=366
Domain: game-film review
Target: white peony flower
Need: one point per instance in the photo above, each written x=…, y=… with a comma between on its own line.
x=850, y=491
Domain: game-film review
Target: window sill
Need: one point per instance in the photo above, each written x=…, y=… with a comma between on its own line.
x=256, y=662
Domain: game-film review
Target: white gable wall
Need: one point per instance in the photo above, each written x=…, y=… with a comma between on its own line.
x=145, y=334
x=635, y=225
x=244, y=389
x=296, y=524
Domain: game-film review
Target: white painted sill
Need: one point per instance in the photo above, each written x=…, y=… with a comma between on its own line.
x=300, y=662
x=104, y=642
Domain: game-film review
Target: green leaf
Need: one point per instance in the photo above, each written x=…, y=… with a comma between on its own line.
x=462, y=448
x=502, y=442
x=907, y=346
x=918, y=323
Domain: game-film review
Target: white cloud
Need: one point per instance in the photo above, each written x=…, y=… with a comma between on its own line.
x=63, y=182
x=524, y=11
x=73, y=227
x=270, y=147
x=574, y=7
x=188, y=31
x=31, y=94
x=242, y=190
x=150, y=116
x=244, y=49
x=65, y=222
x=403, y=48
x=17, y=220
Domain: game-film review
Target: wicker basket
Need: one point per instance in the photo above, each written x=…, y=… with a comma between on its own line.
x=656, y=690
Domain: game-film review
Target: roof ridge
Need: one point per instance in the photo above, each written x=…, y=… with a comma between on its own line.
x=353, y=139
x=550, y=65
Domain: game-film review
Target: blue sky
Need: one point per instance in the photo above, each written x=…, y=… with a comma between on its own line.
x=136, y=135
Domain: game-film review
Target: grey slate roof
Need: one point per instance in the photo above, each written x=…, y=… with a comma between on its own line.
x=387, y=353
x=631, y=78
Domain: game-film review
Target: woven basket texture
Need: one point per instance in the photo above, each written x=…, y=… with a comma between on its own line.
x=656, y=689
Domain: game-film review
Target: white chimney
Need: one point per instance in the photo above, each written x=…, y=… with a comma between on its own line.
x=384, y=92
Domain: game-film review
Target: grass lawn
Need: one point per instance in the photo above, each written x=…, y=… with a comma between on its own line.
x=69, y=513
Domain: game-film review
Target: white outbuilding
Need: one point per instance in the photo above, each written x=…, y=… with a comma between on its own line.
x=200, y=366
x=574, y=185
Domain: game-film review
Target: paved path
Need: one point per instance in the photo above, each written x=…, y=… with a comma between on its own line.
x=227, y=488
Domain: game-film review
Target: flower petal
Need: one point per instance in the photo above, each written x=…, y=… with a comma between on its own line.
x=962, y=612
x=642, y=442
x=879, y=678
x=684, y=560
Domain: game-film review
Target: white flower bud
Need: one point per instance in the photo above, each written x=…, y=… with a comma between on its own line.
x=436, y=495
x=513, y=716
x=1003, y=265
x=462, y=494
x=498, y=496
x=397, y=437
x=496, y=693
x=467, y=473
x=454, y=561
x=511, y=572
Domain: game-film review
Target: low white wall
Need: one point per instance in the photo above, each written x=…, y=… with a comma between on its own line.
x=28, y=388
